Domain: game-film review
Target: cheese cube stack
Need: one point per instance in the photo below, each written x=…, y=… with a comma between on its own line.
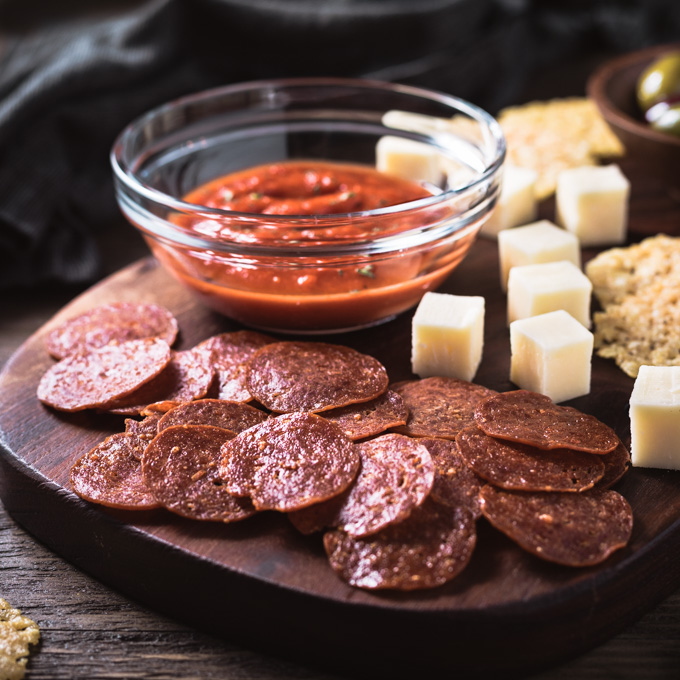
x=408, y=159
x=448, y=336
x=655, y=418
x=592, y=203
x=540, y=288
x=551, y=354
x=516, y=204
x=535, y=243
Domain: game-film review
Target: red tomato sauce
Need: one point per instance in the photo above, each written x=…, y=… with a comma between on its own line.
x=277, y=292
x=306, y=188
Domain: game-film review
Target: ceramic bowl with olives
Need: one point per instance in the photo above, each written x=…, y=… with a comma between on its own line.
x=658, y=93
x=638, y=95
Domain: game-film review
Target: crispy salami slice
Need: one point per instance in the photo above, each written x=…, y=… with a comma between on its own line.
x=455, y=484
x=574, y=529
x=432, y=546
x=439, y=406
x=370, y=418
x=115, y=322
x=510, y=465
x=289, y=462
x=396, y=476
x=141, y=432
x=534, y=419
x=616, y=464
x=111, y=474
x=146, y=428
x=230, y=415
x=313, y=376
x=82, y=381
x=180, y=469
x=187, y=376
x=228, y=353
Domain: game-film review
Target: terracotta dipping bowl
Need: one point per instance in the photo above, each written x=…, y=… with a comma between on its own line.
x=612, y=87
x=307, y=273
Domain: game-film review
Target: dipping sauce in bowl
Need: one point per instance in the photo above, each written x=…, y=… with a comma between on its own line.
x=268, y=200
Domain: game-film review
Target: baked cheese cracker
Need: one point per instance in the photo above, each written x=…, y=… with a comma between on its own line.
x=17, y=632
x=555, y=135
x=639, y=290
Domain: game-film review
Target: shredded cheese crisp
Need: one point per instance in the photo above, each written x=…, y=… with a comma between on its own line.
x=17, y=632
x=555, y=135
x=639, y=290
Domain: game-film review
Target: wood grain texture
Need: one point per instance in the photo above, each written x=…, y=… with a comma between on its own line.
x=505, y=598
x=90, y=631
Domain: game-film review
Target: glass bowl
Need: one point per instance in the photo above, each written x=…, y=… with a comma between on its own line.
x=310, y=273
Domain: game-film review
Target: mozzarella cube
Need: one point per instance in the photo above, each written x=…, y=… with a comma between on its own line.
x=415, y=122
x=592, y=203
x=535, y=243
x=448, y=336
x=551, y=354
x=517, y=201
x=408, y=159
x=655, y=418
x=539, y=288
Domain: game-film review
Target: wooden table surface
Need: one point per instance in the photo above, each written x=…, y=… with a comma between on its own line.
x=89, y=631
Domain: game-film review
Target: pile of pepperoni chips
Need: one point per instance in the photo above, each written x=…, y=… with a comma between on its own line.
x=395, y=478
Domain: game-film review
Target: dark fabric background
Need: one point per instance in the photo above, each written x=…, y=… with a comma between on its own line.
x=74, y=73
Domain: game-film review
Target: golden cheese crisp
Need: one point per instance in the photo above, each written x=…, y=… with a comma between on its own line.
x=620, y=272
x=554, y=135
x=638, y=288
x=17, y=632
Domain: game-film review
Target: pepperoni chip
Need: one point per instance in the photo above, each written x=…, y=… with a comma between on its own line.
x=396, y=476
x=517, y=466
x=289, y=462
x=455, y=484
x=180, y=468
x=574, y=529
x=370, y=418
x=616, y=464
x=188, y=376
x=228, y=353
x=230, y=415
x=141, y=432
x=82, y=381
x=115, y=322
x=313, y=376
x=534, y=419
x=439, y=406
x=111, y=474
x=432, y=546
x=146, y=428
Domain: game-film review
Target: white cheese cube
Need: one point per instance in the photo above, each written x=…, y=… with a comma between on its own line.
x=539, y=288
x=448, y=336
x=535, y=243
x=458, y=131
x=592, y=203
x=408, y=159
x=551, y=354
x=517, y=201
x=655, y=418
x=415, y=122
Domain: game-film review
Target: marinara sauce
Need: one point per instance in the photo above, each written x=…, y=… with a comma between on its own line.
x=306, y=188
x=278, y=291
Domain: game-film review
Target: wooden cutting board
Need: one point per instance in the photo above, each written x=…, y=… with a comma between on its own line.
x=261, y=584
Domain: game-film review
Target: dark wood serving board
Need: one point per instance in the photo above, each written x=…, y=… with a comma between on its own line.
x=262, y=584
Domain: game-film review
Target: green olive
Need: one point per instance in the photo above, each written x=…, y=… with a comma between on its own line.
x=669, y=121
x=660, y=80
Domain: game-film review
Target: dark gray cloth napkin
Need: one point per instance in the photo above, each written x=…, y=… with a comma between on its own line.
x=73, y=74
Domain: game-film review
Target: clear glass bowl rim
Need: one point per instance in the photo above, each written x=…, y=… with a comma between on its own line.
x=124, y=173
